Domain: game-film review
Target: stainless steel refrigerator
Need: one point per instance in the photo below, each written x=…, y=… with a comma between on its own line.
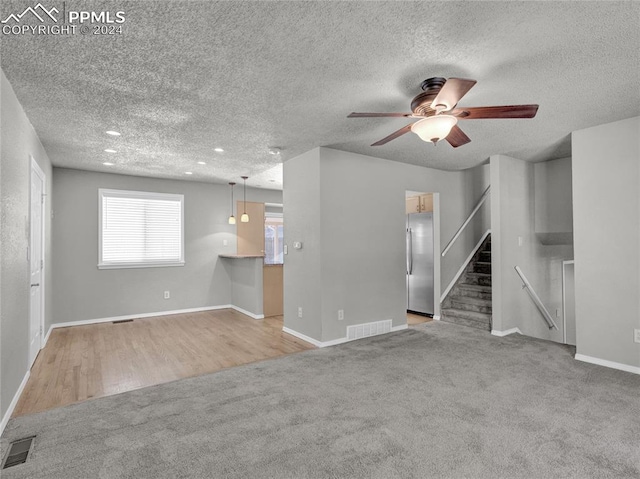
x=420, y=263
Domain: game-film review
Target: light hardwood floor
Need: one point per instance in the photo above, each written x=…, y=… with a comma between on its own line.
x=97, y=360
x=413, y=319
x=83, y=362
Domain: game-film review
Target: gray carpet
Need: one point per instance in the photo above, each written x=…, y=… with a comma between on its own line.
x=439, y=400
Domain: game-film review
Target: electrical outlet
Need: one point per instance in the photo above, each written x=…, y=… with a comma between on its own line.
x=225, y=242
x=340, y=314
x=299, y=311
x=636, y=335
x=167, y=295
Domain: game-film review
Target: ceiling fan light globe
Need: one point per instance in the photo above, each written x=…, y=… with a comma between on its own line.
x=434, y=128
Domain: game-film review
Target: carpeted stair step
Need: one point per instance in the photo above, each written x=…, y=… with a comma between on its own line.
x=482, y=267
x=483, y=279
x=467, y=318
x=485, y=256
x=466, y=303
x=474, y=290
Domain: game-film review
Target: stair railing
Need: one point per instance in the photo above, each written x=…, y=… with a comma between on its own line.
x=536, y=299
x=481, y=201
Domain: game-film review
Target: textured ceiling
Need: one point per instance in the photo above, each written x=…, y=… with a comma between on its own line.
x=186, y=77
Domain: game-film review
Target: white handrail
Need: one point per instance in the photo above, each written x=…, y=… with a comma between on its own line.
x=536, y=299
x=481, y=201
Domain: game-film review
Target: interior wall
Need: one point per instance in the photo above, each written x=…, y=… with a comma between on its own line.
x=83, y=292
x=358, y=206
x=515, y=243
x=302, y=287
x=18, y=140
x=606, y=222
x=553, y=199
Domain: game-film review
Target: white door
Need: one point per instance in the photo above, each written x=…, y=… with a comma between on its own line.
x=36, y=260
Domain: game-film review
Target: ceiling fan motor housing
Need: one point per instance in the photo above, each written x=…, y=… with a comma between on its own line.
x=421, y=104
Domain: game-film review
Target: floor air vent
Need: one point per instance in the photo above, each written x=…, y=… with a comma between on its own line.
x=18, y=452
x=368, y=329
x=123, y=321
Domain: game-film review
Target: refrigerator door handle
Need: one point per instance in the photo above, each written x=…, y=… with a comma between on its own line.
x=410, y=251
x=408, y=246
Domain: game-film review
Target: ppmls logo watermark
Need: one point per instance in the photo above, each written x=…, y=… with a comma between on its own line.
x=40, y=20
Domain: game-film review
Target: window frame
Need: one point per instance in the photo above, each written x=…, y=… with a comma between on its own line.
x=102, y=192
x=279, y=217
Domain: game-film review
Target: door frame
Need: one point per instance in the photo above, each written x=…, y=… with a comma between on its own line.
x=564, y=299
x=437, y=307
x=34, y=168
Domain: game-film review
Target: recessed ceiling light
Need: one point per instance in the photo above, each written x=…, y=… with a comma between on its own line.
x=218, y=150
x=188, y=173
x=109, y=150
x=107, y=163
x=112, y=133
x=274, y=151
x=201, y=163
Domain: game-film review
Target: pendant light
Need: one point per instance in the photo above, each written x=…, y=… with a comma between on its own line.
x=245, y=217
x=232, y=219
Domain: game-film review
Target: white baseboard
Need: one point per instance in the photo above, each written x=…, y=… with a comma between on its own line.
x=83, y=322
x=244, y=311
x=304, y=337
x=46, y=338
x=608, y=364
x=333, y=342
x=436, y=317
x=507, y=332
x=14, y=402
x=464, y=266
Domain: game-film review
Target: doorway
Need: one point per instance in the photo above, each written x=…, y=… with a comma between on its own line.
x=422, y=258
x=36, y=260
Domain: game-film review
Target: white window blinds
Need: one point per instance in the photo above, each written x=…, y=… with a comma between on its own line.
x=140, y=229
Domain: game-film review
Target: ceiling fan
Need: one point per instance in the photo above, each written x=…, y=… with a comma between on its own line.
x=436, y=108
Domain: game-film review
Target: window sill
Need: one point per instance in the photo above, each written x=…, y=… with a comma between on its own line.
x=139, y=265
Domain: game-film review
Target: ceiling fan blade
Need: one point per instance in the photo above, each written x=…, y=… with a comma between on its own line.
x=377, y=115
x=457, y=137
x=451, y=92
x=393, y=135
x=507, y=111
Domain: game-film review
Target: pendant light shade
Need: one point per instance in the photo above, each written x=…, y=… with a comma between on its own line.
x=245, y=217
x=232, y=219
x=434, y=128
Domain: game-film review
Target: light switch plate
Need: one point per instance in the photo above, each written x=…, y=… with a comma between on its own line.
x=636, y=335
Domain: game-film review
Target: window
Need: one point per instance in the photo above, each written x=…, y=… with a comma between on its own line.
x=273, y=239
x=140, y=229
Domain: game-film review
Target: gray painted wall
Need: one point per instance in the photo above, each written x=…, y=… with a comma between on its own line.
x=245, y=276
x=350, y=209
x=553, y=196
x=83, y=292
x=18, y=140
x=513, y=191
x=606, y=222
x=553, y=201
x=302, y=279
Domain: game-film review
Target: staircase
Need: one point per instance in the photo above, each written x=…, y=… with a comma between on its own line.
x=469, y=301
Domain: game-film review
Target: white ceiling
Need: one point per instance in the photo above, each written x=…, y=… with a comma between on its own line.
x=187, y=77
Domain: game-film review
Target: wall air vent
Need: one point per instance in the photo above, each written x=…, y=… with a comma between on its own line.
x=368, y=329
x=18, y=452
